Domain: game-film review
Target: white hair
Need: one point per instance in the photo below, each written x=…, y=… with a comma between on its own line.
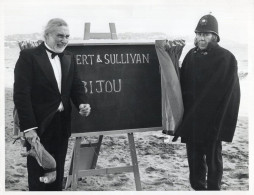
x=52, y=24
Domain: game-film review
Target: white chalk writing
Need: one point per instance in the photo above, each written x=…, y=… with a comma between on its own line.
x=103, y=86
x=126, y=58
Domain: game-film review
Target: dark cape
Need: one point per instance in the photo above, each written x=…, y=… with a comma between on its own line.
x=211, y=95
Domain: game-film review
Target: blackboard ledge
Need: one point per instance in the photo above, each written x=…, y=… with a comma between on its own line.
x=116, y=132
x=109, y=42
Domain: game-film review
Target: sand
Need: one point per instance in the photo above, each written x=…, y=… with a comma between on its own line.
x=162, y=164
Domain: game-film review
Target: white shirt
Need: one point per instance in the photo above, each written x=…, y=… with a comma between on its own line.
x=56, y=65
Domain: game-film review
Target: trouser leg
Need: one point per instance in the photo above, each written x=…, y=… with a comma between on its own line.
x=197, y=166
x=55, y=141
x=59, y=156
x=57, y=146
x=34, y=173
x=215, y=165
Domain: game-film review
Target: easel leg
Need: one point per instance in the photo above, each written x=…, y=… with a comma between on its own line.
x=69, y=179
x=134, y=161
x=75, y=164
x=97, y=150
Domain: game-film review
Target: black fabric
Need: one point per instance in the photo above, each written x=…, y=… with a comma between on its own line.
x=55, y=141
x=205, y=165
x=36, y=94
x=211, y=95
x=37, y=98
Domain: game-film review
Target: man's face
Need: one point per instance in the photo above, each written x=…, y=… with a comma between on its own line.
x=203, y=39
x=58, y=38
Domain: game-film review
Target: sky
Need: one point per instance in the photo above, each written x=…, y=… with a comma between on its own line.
x=177, y=18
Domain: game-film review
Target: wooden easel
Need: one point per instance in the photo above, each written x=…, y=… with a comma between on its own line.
x=88, y=35
x=85, y=156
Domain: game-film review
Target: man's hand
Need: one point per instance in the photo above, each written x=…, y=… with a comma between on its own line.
x=31, y=136
x=84, y=109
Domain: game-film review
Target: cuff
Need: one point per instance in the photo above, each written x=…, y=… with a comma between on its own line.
x=33, y=128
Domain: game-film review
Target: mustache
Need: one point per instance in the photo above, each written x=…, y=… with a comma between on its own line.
x=202, y=42
x=62, y=45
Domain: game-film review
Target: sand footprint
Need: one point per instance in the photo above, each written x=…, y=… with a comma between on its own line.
x=152, y=169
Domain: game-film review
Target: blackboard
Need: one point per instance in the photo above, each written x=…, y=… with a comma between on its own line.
x=123, y=86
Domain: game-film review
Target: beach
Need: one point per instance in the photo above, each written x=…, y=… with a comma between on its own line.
x=162, y=163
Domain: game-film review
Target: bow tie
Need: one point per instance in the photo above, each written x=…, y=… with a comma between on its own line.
x=54, y=54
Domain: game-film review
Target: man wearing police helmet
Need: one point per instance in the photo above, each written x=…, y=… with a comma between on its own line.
x=211, y=97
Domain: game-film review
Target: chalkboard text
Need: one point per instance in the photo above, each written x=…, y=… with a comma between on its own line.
x=124, y=58
x=103, y=86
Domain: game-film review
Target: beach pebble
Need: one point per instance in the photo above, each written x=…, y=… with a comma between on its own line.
x=164, y=156
x=150, y=169
x=228, y=166
x=12, y=180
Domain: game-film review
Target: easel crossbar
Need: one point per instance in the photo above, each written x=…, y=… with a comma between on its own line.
x=83, y=173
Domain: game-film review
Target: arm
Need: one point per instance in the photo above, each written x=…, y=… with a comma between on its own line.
x=78, y=95
x=23, y=75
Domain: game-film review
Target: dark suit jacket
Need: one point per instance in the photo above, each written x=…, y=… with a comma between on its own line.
x=36, y=94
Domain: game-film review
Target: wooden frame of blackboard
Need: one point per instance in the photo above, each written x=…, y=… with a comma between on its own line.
x=108, y=43
x=113, y=132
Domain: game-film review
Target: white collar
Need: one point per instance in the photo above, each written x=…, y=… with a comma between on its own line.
x=49, y=47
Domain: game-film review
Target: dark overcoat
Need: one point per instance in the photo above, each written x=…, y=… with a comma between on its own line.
x=36, y=94
x=211, y=95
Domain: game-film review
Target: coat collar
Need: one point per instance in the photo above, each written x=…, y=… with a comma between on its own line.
x=45, y=65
